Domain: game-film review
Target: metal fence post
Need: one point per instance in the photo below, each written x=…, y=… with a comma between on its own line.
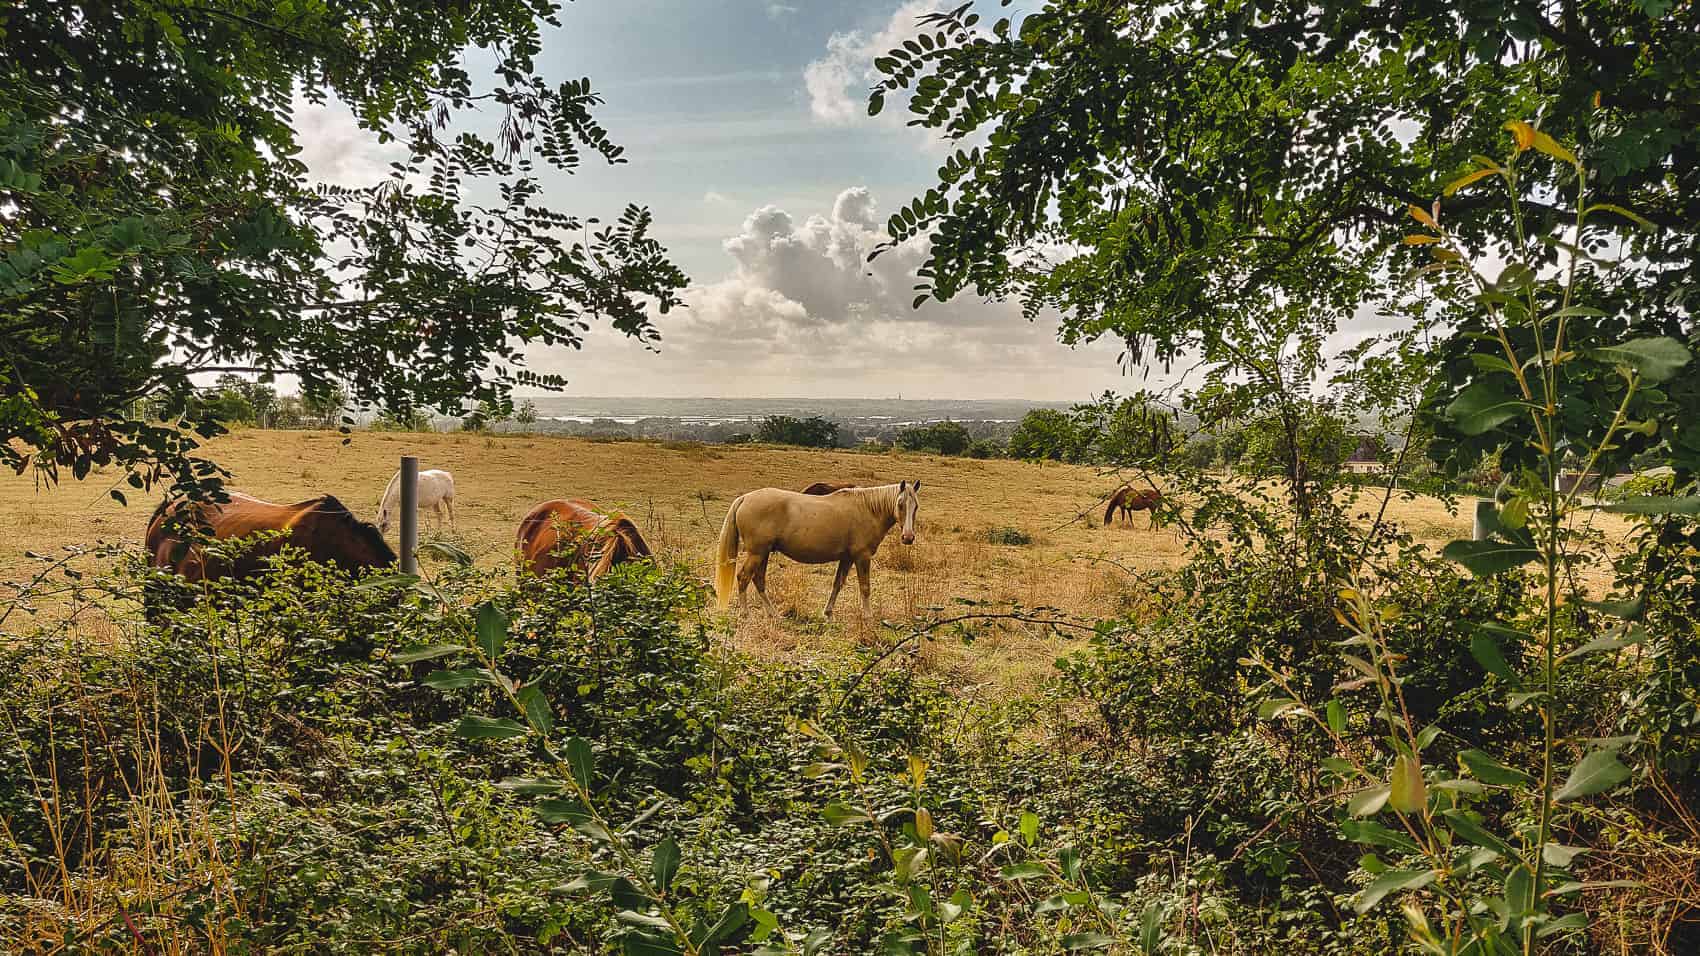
x=1484, y=519
x=409, y=514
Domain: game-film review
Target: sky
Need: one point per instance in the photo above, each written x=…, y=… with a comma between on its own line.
x=747, y=136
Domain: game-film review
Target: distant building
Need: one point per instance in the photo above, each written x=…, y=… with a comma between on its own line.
x=1366, y=460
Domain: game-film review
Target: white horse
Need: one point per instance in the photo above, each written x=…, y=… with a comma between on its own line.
x=846, y=526
x=436, y=491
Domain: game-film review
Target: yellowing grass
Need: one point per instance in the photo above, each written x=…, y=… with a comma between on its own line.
x=678, y=493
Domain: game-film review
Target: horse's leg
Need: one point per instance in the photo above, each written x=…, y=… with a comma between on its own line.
x=761, y=584
x=837, y=585
x=862, y=584
x=449, y=503
x=746, y=572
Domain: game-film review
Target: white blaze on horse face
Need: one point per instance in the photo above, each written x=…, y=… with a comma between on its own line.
x=907, y=503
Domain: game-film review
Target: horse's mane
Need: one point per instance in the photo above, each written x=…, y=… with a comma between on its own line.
x=625, y=544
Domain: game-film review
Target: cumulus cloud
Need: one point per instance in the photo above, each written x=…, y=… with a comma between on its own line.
x=335, y=148
x=838, y=82
x=802, y=311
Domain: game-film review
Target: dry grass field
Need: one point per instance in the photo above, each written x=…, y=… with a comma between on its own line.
x=678, y=494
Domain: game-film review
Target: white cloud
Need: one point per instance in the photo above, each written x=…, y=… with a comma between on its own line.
x=778, y=11
x=335, y=148
x=716, y=198
x=838, y=82
x=802, y=312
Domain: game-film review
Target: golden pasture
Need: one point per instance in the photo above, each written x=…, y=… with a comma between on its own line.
x=678, y=494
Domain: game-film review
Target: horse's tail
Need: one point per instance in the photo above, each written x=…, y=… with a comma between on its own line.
x=726, y=556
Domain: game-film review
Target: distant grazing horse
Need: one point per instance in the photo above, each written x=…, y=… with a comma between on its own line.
x=846, y=526
x=827, y=487
x=436, y=491
x=573, y=534
x=1129, y=501
x=323, y=527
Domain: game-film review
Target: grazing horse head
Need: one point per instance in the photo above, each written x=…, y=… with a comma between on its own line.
x=333, y=533
x=908, y=501
x=572, y=534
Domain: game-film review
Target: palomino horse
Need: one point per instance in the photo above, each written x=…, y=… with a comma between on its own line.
x=436, y=491
x=1129, y=501
x=827, y=487
x=846, y=526
x=573, y=534
x=321, y=526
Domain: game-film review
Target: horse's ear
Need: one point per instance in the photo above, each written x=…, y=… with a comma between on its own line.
x=902, y=485
x=917, y=484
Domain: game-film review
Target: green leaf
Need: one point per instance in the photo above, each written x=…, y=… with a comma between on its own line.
x=425, y=652
x=1408, y=794
x=536, y=707
x=1629, y=610
x=1559, y=854
x=533, y=786
x=474, y=727
x=563, y=810
x=729, y=922
x=1087, y=940
x=1023, y=871
x=457, y=679
x=840, y=814
x=1656, y=505
x=1486, y=652
x=1367, y=803
x=1492, y=772
x=665, y=863
x=1656, y=358
x=1464, y=826
x=1487, y=558
x=1029, y=826
x=1373, y=833
x=1568, y=923
x=1520, y=890
x=1635, y=218
x=492, y=630
x=581, y=760
x=1393, y=881
x=1597, y=772
x=592, y=881
x=1336, y=717
x=1483, y=406
x=1609, y=642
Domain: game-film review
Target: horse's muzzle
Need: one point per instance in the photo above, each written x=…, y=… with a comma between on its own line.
x=908, y=537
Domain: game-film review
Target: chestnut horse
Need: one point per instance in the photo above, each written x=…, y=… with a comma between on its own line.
x=1129, y=501
x=573, y=534
x=827, y=487
x=323, y=527
x=846, y=526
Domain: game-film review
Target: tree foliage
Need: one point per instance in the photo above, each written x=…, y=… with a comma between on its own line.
x=945, y=438
x=811, y=432
x=1047, y=433
x=1197, y=160
x=159, y=221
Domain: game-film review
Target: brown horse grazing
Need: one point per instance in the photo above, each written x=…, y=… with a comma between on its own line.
x=1129, y=501
x=573, y=534
x=321, y=526
x=846, y=526
x=827, y=487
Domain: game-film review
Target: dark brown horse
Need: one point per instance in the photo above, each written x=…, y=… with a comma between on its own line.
x=1130, y=500
x=571, y=533
x=827, y=487
x=323, y=527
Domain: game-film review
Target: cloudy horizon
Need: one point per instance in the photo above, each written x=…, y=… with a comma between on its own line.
x=747, y=137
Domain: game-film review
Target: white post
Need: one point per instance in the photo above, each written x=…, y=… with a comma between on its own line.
x=409, y=514
x=1484, y=517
